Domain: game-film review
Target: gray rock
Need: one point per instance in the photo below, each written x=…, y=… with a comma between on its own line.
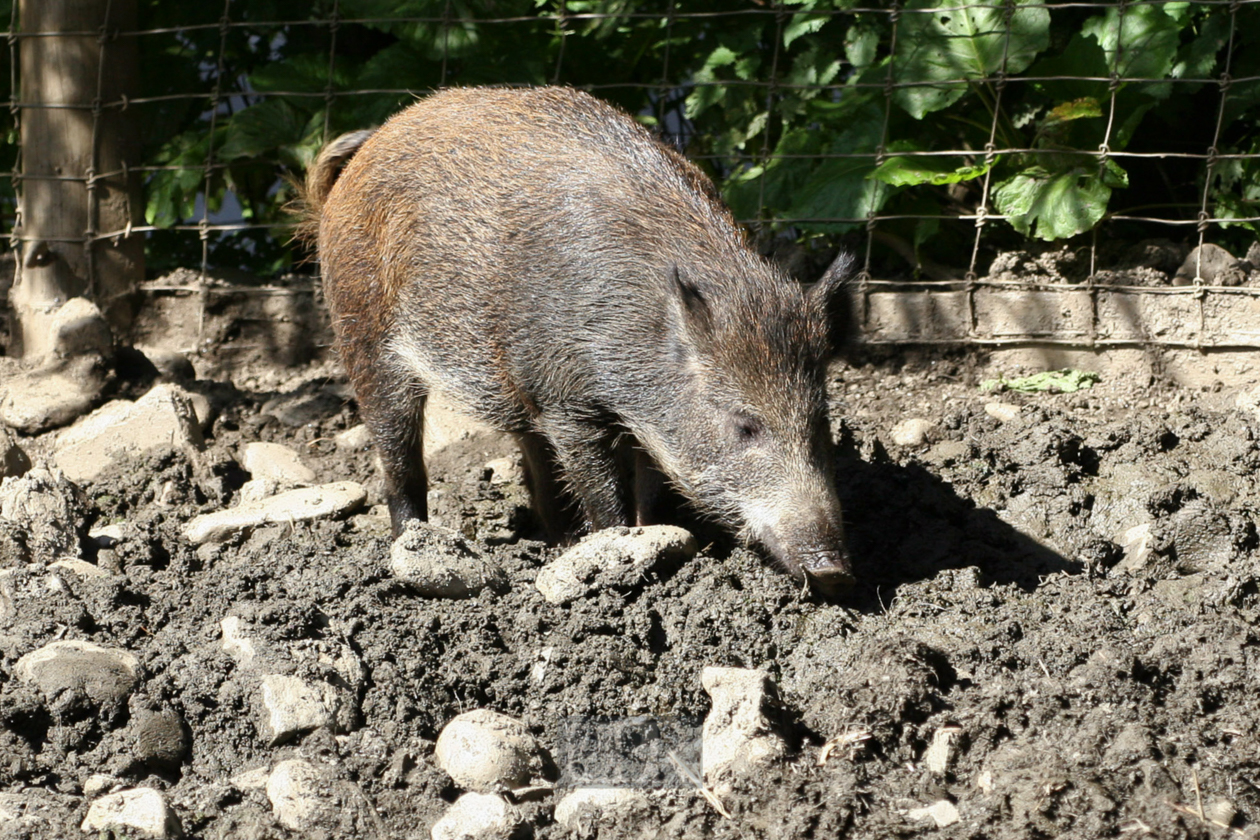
x=103, y=675
x=162, y=418
x=354, y=438
x=486, y=751
x=299, y=795
x=738, y=736
x=1214, y=264
x=49, y=509
x=160, y=738
x=940, y=753
x=99, y=784
x=612, y=557
x=256, y=490
x=53, y=396
x=325, y=695
x=912, y=432
x=582, y=809
x=290, y=707
x=439, y=563
x=323, y=502
x=949, y=452
x=942, y=812
x=82, y=568
x=108, y=536
x=78, y=328
x=171, y=365
x=139, y=812
x=276, y=462
x=1001, y=411
x=478, y=816
x=237, y=641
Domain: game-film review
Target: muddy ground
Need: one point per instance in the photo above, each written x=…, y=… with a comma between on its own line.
x=1084, y=690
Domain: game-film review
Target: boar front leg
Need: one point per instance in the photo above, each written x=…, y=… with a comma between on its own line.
x=586, y=453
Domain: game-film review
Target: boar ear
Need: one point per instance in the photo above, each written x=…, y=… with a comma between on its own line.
x=690, y=304
x=833, y=296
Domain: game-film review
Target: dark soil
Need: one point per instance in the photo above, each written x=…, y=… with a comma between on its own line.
x=1089, y=693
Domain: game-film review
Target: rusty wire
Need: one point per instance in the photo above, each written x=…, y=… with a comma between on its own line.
x=562, y=18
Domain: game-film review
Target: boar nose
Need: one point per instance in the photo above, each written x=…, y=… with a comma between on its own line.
x=832, y=580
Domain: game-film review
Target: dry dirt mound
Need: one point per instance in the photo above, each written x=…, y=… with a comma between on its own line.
x=1054, y=634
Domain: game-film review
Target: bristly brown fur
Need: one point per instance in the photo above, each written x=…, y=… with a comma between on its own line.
x=537, y=257
x=308, y=205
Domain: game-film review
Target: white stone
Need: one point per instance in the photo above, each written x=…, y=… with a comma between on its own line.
x=255, y=779
x=140, y=812
x=355, y=437
x=478, y=816
x=940, y=752
x=163, y=417
x=236, y=641
x=612, y=557
x=78, y=327
x=107, y=536
x=487, y=751
x=298, y=791
x=1136, y=542
x=439, y=563
x=82, y=568
x=98, y=784
x=1001, y=411
x=104, y=675
x=276, y=462
x=582, y=807
x=324, y=501
x=44, y=399
x=912, y=432
x=942, y=812
x=737, y=736
x=290, y=707
x=255, y=490
x=42, y=502
x=506, y=470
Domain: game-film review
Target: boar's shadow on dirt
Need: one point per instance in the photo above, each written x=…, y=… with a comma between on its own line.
x=903, y=524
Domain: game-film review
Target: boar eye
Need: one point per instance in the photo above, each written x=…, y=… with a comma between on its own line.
x=748, y=429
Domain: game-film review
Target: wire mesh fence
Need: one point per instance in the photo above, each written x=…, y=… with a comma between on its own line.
x=929, y=137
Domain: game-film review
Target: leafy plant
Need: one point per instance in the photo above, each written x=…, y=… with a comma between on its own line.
x=813, y=116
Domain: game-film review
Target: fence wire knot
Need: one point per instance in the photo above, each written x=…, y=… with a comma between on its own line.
x=1225, y=82
x=1204, y=218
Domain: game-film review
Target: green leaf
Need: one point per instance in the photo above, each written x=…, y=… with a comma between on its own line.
x=861, y=45
x=902, y=171
x=261, y=128
x=1074, y=110
x=1143, y=44
x=1055, y=205
x=953, y=42
x=801, y=24
x=1065, y=381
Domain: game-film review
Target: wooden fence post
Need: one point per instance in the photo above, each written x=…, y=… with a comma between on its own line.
x=77, y=143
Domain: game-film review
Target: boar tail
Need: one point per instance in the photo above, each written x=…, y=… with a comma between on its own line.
x=320, y=177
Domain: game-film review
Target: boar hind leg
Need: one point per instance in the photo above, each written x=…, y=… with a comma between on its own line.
x=586, y=453
x=542, y=475
x=394, y=412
